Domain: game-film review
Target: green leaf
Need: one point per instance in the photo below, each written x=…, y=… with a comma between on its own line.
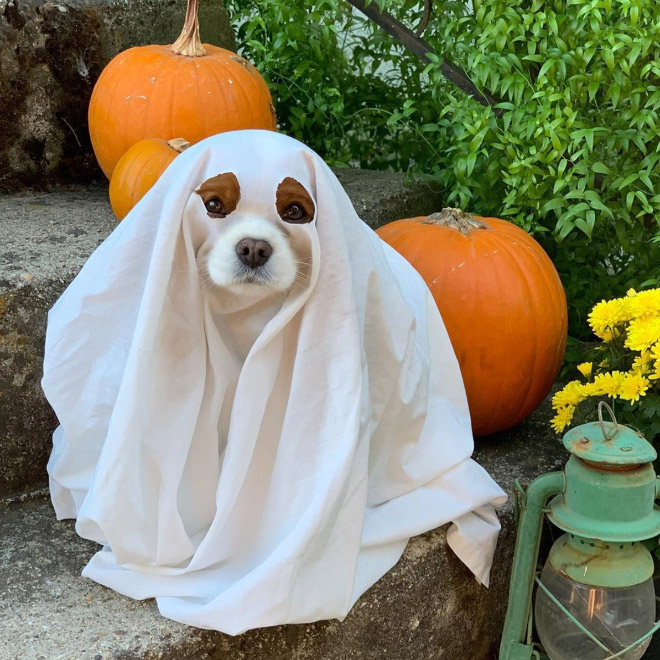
x=608, y=58
x=553, y=205
x=471, y=161
x=546, y=67
x=615, y=92
x=556, y=142
x=627, y=181
x=646, y=180
x=601, y=168
x=634, y=15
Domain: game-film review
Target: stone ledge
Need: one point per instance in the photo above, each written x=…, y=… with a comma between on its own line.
x=44, y=241
x=428, y=607
x=381, y=197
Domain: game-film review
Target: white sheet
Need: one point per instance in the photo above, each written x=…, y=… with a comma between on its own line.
x=275, y=488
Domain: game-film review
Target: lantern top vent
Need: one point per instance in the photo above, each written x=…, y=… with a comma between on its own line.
x=609, y=443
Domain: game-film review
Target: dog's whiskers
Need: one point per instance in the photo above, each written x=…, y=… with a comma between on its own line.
x=304, y=274
x=302, y=280
x=203, y=272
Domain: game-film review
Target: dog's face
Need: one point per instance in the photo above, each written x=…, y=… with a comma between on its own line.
x=255, y=247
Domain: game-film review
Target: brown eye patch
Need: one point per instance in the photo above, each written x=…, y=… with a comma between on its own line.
x=294, y=204
x=220, y=194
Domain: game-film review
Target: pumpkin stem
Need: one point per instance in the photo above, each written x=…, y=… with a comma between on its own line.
x=189, y=44
x=455, y=219
x=178, y=144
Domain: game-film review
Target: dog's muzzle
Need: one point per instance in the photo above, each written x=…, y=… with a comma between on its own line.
x=252, y=252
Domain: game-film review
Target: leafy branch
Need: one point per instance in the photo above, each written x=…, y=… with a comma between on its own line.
x=422, y=49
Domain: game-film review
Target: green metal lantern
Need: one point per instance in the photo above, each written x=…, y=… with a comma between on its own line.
x=595, y=598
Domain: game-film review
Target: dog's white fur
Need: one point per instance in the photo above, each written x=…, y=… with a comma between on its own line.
x=226, y=270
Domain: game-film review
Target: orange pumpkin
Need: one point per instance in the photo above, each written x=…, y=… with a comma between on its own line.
x=503, y=305
x=185, y=90
x=138, y=169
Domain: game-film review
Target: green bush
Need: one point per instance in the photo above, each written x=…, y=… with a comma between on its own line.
x=322, y=64
x=571, y=152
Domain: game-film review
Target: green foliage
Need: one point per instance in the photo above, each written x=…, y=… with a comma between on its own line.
x=337, y=81
x=577, y=141
x=571, y=152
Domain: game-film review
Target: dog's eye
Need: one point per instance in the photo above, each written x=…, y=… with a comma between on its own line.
x=215, y=207
x=294, y=213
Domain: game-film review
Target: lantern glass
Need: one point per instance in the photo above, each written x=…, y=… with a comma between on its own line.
x=617, y=617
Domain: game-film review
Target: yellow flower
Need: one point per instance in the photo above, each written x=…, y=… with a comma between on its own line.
x=645, y=304
x=635, y=320
x=655, y=375
x=642, y=364
x=570, y=395
x=633, y=387
x=590, y=389
x=609, y=335
x=607, y=384
x=563, y=418
x=585, y=368
x=643, y=333
x=608, y=314
x=655, y=351
x=655, y=355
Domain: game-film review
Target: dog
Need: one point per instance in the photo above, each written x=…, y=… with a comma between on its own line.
x=258, y=415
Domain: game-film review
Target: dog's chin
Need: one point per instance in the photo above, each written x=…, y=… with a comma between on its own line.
x=253, y=287
x=251, y=283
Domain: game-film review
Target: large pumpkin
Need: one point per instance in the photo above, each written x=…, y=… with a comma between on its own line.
x=186, y=90
x=502, y=303
x=138, y=169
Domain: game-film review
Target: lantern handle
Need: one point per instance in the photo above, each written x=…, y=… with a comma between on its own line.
x=606, y=435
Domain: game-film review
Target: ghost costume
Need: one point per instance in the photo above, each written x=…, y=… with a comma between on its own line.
x=254, y=461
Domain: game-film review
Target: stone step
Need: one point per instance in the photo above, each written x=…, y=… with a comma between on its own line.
x=44, y=241
x=428, y=607
x=52, y=52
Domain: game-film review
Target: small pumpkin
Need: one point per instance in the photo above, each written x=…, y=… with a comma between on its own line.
x=185, y=90
x=503, y=305
x=138, y=169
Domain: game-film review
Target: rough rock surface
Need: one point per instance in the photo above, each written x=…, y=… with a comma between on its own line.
x=44, y=241
x=52, y=52
x=428, y=607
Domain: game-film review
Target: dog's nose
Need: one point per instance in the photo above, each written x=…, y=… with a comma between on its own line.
x=253, y=253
